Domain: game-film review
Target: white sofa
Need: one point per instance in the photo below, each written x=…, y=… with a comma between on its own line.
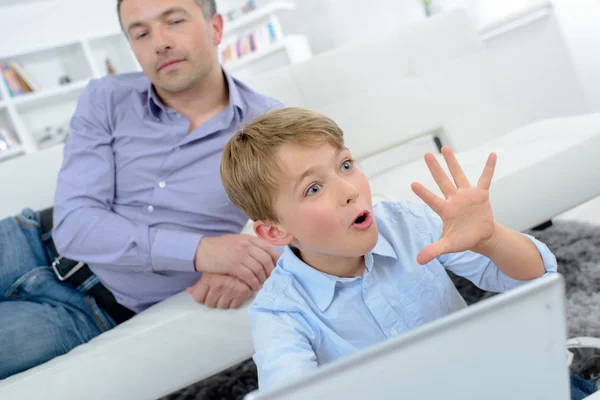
x=432, y=78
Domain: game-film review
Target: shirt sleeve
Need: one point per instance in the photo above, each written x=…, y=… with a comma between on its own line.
x=282, y=344
x=473, y=266
x=85, y=227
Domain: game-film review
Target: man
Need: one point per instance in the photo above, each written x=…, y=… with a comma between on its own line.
x=139, y=197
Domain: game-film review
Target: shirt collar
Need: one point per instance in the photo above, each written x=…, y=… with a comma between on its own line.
x=235, y=98
x=384, y=248
x=320, y=285
x=155, y=105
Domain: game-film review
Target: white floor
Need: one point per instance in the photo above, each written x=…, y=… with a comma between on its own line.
x=587, y=212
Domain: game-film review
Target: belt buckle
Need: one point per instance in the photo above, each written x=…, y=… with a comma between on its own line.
x=70, y=273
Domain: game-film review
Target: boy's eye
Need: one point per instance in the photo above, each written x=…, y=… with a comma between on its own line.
x=314, y=189
x=140, y=36
x=346, y=166
x=176, y=22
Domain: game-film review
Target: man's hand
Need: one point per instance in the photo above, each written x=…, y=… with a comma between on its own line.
x=466, y=213
x=222, y=291
x=248, y=258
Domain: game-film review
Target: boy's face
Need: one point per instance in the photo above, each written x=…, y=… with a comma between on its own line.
x=323, y=203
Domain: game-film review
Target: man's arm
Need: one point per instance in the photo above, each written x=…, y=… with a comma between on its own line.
x=282, y=343
x=85, y=228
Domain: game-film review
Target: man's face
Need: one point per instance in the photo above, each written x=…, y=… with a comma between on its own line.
x=324, y=202
x=173, y=42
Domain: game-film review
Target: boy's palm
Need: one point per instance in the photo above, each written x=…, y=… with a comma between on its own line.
x=466, y=213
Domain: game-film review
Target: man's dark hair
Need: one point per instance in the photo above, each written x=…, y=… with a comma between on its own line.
x=209, y=8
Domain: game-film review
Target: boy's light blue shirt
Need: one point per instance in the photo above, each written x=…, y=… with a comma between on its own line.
x=303, y=318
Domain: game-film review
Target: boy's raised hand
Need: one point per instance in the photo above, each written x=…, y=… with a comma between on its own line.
x=466, y=213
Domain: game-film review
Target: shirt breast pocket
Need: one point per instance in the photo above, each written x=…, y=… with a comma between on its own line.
x=424, y=300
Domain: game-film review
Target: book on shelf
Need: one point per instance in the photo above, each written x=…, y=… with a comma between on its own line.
x=259, y=38
x=25, y=76
x=18, y=80
x=8, y=137
x=237, y=13
x=11, y=80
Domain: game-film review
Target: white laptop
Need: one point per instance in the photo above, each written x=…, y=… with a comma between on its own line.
x=511, y=346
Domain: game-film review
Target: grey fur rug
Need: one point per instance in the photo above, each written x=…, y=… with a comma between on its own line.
x=577, y=249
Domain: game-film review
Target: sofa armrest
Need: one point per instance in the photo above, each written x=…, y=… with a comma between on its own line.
x=163, y=349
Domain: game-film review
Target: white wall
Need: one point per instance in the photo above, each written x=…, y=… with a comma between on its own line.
x=333, y=23
x=326, y=23
x=578, y=20
x=32, y=26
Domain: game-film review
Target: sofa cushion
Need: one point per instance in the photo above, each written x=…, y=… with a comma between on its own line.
x=543, y=169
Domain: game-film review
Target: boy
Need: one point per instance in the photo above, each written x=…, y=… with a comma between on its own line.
x=351, y=274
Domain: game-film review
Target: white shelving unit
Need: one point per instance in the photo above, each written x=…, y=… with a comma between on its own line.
x=40, y=119
x=272, y=47
x=257, y=16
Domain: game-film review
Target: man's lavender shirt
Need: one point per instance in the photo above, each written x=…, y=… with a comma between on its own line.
x=136, y=192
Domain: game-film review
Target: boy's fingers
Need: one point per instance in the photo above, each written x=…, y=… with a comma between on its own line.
x=430, y=252
x=433, y=201
x=439, y=175
x=456, y=171
x=485, y=180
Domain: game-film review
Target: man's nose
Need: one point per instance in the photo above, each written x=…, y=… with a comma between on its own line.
x=162, y=43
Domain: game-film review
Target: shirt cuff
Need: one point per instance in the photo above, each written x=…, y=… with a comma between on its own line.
x=174, y=250
x=548, y=258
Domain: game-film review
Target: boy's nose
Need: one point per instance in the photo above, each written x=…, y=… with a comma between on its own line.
x=352, y=195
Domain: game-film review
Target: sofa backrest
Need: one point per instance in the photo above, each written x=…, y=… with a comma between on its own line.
x=29, y=181
x=434, y=76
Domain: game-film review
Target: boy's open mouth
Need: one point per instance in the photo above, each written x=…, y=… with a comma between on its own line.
x=363, y=221
x=361, y=218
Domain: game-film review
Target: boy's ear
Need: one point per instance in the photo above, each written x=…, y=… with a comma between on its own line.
x=272, y=233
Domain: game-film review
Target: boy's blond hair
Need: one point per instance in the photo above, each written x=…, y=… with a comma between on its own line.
x=249, y=167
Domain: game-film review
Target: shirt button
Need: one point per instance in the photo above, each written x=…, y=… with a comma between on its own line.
x=150, y=209
x=177, y=148
x=162, y=184
x=394, y=332
x=178, y=115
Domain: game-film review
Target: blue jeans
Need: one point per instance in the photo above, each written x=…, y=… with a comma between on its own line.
x=41, y=318
x=581, y=388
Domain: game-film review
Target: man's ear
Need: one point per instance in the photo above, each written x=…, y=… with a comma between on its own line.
x=272, y=233
x=216, y=25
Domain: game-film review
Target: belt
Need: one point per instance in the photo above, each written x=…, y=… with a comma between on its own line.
x=74, y=273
